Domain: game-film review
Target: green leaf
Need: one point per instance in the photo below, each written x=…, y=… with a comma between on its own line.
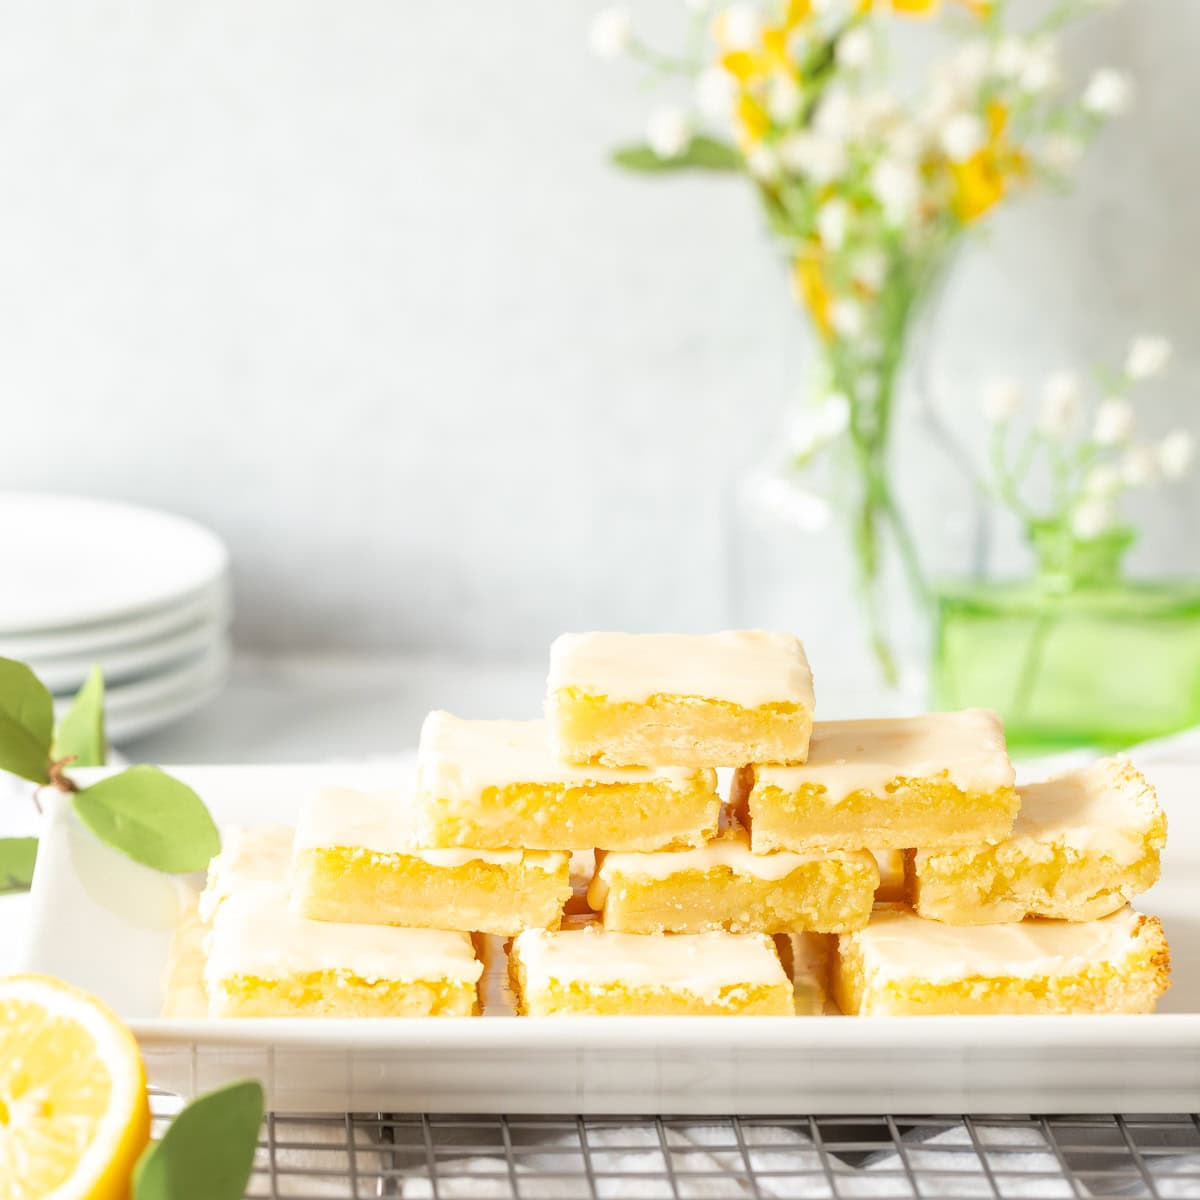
x=152, y=817
x=17, y=856
x=702, y=154
x=26, y=722
x=208, y=1150
x=80, y=733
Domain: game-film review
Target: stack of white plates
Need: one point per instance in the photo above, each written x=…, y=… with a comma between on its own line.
x=142, y=593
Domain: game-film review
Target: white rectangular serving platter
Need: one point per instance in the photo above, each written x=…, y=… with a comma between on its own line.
x=105, y=923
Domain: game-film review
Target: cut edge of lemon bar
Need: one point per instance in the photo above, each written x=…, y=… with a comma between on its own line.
x=264, y=961
x=496, y=784
x=702, y=700
x=595, y=972
x=902, y=964
x=722, y=885
x=355, y=860
x=937, y=780
x=1084, y=844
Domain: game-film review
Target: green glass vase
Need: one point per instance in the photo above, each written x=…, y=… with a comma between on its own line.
x=1075, y=656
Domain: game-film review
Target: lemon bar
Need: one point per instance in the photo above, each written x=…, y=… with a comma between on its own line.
x=902, y=964
x=593, y=971
x=264, y=961
x=722, y=885
x=939, y=780
x=249, y=854
x=496, y=784
x=668, y=699
x=1083, y=844
x=355, y=860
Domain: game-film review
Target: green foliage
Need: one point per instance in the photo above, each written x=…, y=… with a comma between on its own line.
x=702, y=154
x=26, y=722
x=152, y=817
x=208, y=1151
x=17, y=858
x=80, y=735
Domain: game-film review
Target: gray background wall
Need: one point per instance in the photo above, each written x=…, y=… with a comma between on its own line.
x=354, y=284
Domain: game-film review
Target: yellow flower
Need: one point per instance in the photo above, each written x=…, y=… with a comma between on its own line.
x=808, y=283
x=752, y=119
x=981, y=180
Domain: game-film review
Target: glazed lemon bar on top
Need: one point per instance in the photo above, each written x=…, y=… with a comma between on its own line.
x=669, y=699
x=902, y=964
x=596, y=971
x=938, y=780
x=497, y=784
x=1083, y=844
x=722, y=885
x=355, y=860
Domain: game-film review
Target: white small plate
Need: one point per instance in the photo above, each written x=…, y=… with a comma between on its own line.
x=73, y=560
x=136, y=708
x=212, y=603
x=105, y=923
x=127, y=664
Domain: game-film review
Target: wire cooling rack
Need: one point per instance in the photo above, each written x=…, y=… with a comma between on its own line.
x=358, y=1155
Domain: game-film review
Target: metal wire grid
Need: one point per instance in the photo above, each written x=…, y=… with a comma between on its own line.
x=358, y=1155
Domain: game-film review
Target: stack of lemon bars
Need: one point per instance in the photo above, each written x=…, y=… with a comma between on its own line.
x=769, y=902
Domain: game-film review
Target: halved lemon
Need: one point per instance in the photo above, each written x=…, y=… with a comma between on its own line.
x=73, y=1110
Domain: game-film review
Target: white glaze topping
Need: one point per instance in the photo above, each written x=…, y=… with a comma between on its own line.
x=384, y=823
x=899, y=945
x=254, y=933
x=745, y=667
x=965, y=747
x=701, y=963
x=249, y=854
x=730, y=849
x=458, y=759
x=1107, y=807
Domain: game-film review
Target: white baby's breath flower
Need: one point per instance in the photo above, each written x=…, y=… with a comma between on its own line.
x=1009, y=58
x=847, y=318
x=837, y=115
x=969, y=65
x=763, y=163
x=738, y=27
x=1103, y=480
x=1114, y=423
x=1092, y=518
x=611, y=32
x=715, y=92
x=1109, y=93
x=906, y=140
x=813, y=428
x=781, y=499
x=1175, y=453
x=961, y=136
x=870, y=269
x=1140, y=466
x=1040, y=72
x=1062, y=402
x=669, y=132
x=1002, y=400
x=833, y=218
x=855, y=49
x=816, y=156
x=1148, y=356
x=1061, y=152
x=784, y=98
x=896, y=187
